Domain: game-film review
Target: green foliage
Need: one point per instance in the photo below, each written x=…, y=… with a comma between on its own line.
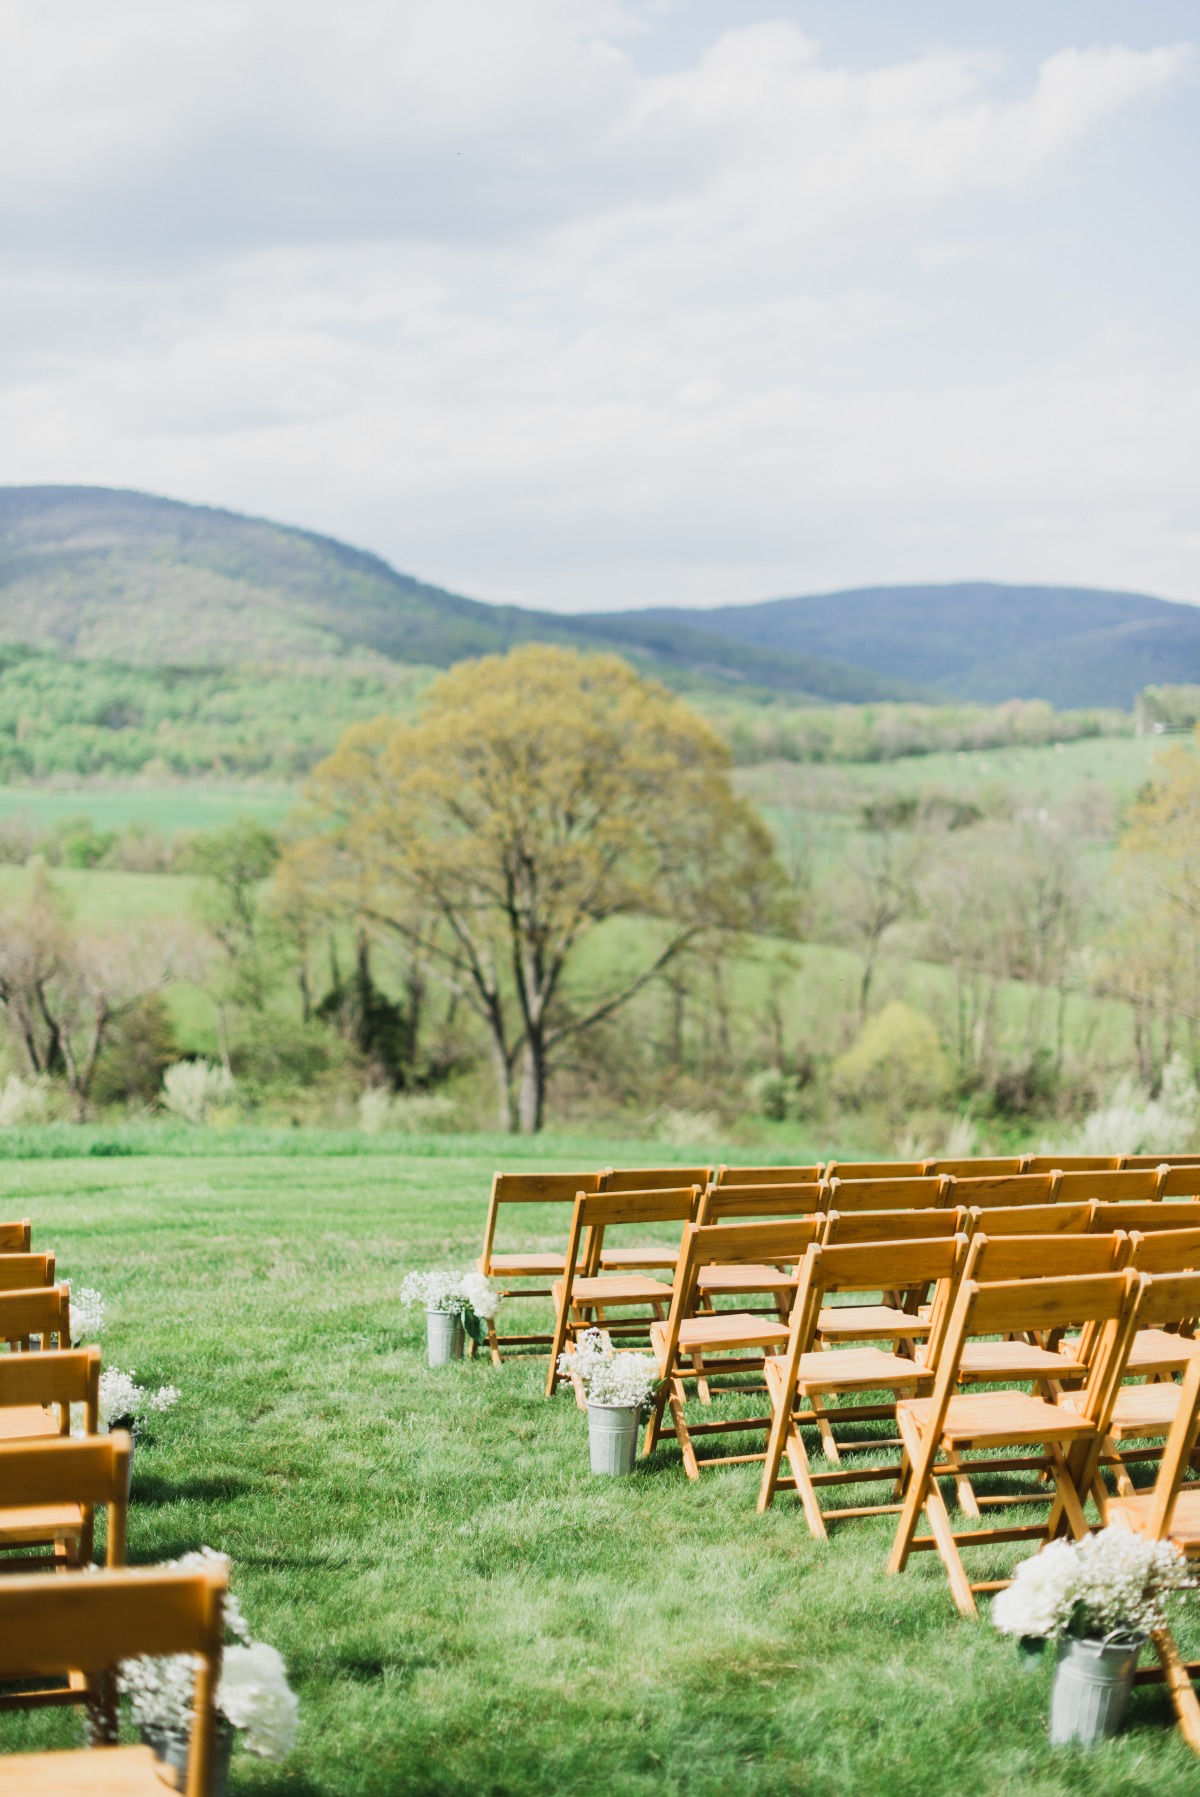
x=897, y=1062
x=141, y=1045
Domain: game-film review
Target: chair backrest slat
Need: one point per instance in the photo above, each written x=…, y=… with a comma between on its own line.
x=15, y=1237
x=1006, y=1189
x=1036, y=1219
x=800, y=1200
x=988, y=1166
x=20, y=1272
x=856, y=1228
x=768, y=1176
x=1167, y=1251
x=905, y=1193
x=1170, y=1298
x=1105, y=1186
x=877, y=1169
x=1009, y=1257
x=1010, y=1306
x=653, y=1179
x=1147, y=1216
x=1072, y=1163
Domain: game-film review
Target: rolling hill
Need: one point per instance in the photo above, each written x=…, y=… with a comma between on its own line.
x=96, y=572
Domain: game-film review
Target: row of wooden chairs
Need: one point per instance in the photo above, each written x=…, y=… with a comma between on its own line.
x=874, y=1185
x=995, y=1339
x=56, y=1624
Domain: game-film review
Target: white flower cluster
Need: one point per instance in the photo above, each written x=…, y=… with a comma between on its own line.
x=459, y=1292
x=87, y=1314
x=610, y=1377
x=121, y=1396
x=253, y=1696
x=1112, y=1582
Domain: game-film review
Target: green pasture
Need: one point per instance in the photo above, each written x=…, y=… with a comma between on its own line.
x=463, y=1611
x=181, y=806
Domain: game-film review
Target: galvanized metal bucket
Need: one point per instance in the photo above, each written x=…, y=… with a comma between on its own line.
x=1092, y=1682
x=444, y=1332
x=613, y=1437
x=174, y=1754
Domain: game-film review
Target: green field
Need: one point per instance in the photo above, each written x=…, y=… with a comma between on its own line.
x=184, y=805
x=462, y=1610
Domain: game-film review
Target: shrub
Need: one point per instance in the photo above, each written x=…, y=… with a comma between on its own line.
x=1134, y=1123
x=140, y=1048
x=897, y=1062
x=23, y=1102
x=191, y=1090
x=772, y=1094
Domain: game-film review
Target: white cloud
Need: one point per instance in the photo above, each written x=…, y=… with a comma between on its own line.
x=459, y=281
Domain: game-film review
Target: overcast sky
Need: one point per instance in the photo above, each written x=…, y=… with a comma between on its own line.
x=584, y=304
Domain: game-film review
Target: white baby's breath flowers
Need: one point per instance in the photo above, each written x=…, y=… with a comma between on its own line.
x=1111, y=1583
x=452, y=1293
x=609, y=1377
x=122, y=1398
x=87, y=1314
x=253, y=1695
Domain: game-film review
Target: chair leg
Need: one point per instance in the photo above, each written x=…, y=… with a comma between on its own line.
x=655, y=1419
x=781, y=1407
x=798, y=1461
x=676, y=1400
x=1179, y=1683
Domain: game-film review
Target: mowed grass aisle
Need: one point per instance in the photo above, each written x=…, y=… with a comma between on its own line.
x=461, y=1608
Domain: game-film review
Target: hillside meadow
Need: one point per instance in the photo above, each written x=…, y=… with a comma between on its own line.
x=462, y=1609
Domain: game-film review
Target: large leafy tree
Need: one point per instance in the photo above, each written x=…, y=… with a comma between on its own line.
x=537, y=796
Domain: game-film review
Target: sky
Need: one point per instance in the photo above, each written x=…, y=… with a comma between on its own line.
x=586, y=305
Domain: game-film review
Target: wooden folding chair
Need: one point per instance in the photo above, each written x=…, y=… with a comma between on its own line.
x=996, y=1191
x=1158, y=1351
x=15, y=1237
x=542, y=1265
x=1032, y=1357
x=43, y=1313
x=49, y=1491
x=1171, y=1512
x=35, y=1386
x=52, y=1627
x=903, y=1192
x=809, y=1374
x=1170, y=1302
x=583, y=1296
x=21, y=1272
x=750, y=1254
x=647, y=1257
x=937, y=1430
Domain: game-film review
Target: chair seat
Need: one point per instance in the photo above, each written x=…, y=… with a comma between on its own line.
x=1017, y=1360
x=88, y=1772
x=998, y=1418
x=19, y=1421
x=863, y=1322
x=1160, y=1351
x=39, y=1522
x=529, y=1264
x=628, y=1288
x=650, y=1254
x=1144, y=1410
x=857, y=1369
x=748, y=1278
x=724, y=1329
x=1134, y=1512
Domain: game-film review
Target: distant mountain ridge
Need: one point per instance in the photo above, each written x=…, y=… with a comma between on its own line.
x=99, y=571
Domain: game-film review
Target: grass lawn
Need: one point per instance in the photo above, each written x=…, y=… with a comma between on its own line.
x=461, y=1608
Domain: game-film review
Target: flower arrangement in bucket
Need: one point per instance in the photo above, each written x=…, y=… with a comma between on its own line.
x=618, y=1387
x=1100, y=1599
x=254, y=1698
x=455, y=1304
